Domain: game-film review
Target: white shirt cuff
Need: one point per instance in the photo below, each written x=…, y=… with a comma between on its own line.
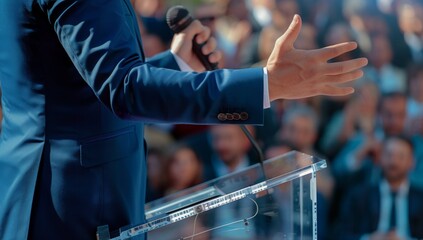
x=266, y=99
x=181, y=63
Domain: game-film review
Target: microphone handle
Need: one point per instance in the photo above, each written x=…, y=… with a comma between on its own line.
x=204, y=59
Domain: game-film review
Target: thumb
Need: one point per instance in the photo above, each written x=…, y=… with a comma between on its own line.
x=286, y=41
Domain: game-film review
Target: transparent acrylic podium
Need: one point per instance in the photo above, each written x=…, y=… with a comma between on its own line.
x=276, y=201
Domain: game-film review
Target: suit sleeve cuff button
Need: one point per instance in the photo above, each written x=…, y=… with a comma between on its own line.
x=221, y=117
x=229, y=116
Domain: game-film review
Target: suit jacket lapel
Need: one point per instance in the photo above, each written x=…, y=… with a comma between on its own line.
x=374, y=208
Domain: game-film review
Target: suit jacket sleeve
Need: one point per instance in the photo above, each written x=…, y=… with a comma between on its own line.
x=101, y=39
x=164, y=60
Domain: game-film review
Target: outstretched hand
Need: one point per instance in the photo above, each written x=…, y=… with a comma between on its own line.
x=295, y=73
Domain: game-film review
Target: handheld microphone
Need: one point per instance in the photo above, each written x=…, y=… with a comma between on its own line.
x=178, y=18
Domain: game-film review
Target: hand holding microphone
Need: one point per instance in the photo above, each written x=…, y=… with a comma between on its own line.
x=193, y=41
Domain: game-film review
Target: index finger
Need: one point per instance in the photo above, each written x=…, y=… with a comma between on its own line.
x=327, y=53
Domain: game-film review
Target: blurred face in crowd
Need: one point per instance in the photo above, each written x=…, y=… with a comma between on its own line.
x=149, y=8
x=207, y=14
x=416, y=86
x=338, y=33
x=229, y=143
x=367, y=98
x=307, y=38
x=397, y=159
x=287, y=8
x=237, y=9
x=380, y=53
x=184, y=169
x=393, y=114
x=410, y=17
x=300, y=131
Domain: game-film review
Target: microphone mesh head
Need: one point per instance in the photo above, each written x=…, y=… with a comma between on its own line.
x=174, y=16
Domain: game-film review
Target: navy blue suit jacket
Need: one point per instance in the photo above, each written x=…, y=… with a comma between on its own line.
x=76, y=89
x=361, y=210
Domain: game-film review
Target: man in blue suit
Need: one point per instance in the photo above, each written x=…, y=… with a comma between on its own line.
x=390, y=209
x=77, y=89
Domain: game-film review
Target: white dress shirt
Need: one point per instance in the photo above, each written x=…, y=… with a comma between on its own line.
x=402, y=225
x=401, y=201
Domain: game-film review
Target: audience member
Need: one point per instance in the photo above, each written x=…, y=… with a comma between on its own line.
x=155, y=174
x=157, y=35
x=150, y=8
x=414, y=126
x=415, y=99
x=299, y=129
x=361, y=152
x=388, y=77
x=261, y=11
x=230, y=151
x=234, y=32
x=183, y=169
x=358, y=160
x=410, y=17
x=390, y=209
x=345, y=124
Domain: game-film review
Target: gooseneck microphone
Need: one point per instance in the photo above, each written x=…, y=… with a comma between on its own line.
x=178, y=18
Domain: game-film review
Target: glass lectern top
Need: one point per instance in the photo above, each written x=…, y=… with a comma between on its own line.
x=286, y=167
x=276, y=200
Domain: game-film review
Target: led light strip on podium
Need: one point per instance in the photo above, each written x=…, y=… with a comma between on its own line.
x=133, y=231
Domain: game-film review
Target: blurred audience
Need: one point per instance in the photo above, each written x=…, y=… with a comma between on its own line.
x=353, y=133
x=391, y=208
